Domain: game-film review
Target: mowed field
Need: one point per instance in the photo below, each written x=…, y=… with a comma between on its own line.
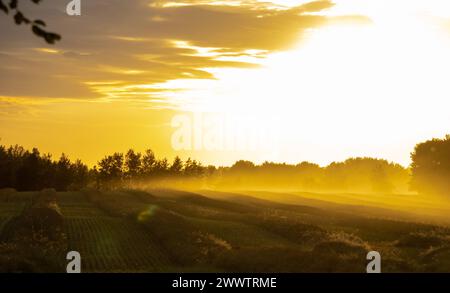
x=108, y=243
x=241, y=231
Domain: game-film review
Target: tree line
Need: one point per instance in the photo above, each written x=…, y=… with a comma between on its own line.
x=30, y=170
x=27, y=170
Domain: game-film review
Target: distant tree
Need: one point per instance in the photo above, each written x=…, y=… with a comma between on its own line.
x=133, y=164
x=365, y=174
x=80, y=175
x=148, y=163
x=111, y=168
x=29, y=173
x=64, y=175
x=161, y=167
x=37, y=25
x=243, y=166
x=193, y=168
x=95, y=175
x=430, y=166
x=4, y=176
x=210, y=170
x=380, y=180
x=309, y=175
x=48, y=171
x=177, y=166
x=26, y=170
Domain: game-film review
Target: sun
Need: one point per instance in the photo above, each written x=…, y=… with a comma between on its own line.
x=365, y=87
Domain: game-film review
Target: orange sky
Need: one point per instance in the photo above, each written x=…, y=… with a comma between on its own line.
x=278, y=80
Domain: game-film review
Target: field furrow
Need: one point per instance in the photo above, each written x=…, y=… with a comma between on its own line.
x=107, y=243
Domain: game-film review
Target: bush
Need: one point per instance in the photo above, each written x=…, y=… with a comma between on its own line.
x=421, y=240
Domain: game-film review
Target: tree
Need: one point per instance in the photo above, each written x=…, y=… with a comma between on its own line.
x=193, y=168
x=37, y=25
x=31, y=171
x=430, y=166
x=63, y=173
x=161, y=167
x=4, y=176
x=177, y=166
x=133, y=164
x=111, y=168
x=380, y=180
x=80, y=175
x=243, y=166
x=148, y=162
x=28, y=175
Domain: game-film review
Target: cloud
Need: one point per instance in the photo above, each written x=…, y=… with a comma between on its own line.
x=140, y=44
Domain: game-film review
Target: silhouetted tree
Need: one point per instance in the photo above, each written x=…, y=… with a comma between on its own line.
x=26, y=170
x=133, y=164
x=161, y=167
x=63, y=173
x=29, y=173
x=111, y=169
x=95, y=175
x=243, y=166
x=48, y=171
x=431, y=166
x=4, y=176
x=148, y=163
x=80, y=175
x=177, y=166
x=193, y=168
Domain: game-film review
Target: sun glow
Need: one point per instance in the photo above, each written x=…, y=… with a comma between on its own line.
x=377, y=85
x=365, y=78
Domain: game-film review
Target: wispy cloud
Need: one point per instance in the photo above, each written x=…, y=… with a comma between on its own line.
x=146, y=44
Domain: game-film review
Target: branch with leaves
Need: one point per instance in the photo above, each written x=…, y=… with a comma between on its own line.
x=37, y=26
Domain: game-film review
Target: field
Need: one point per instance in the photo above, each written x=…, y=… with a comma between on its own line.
x=232, y=231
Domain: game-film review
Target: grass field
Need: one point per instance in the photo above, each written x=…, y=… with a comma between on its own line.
x=108, y=243
x=239, y=231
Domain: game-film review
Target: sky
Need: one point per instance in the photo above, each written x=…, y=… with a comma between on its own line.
x=218, y=81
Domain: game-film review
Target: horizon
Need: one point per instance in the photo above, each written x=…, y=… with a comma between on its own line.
x=316, y=81
x=201, y=142
x=170, y=160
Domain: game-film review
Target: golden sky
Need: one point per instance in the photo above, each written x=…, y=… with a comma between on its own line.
x=320, y=81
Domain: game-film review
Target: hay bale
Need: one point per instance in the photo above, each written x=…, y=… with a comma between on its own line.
x=42, y=220
x=45, y=220
x=421, y=240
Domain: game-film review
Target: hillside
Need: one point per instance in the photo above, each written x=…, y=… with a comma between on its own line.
x=168, y=230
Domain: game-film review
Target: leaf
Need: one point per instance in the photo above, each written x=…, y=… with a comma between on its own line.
x=39, y=22
x=38, y=31
x=19, y=18
x=3, y=7
x=13, y=4
x=50, y=38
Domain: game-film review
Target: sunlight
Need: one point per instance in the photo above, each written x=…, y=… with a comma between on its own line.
x=369, y=80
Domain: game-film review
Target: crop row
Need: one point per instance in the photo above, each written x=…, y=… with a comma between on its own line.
x=113, y=244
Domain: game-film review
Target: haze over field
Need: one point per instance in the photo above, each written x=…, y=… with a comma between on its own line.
x=225, y=136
